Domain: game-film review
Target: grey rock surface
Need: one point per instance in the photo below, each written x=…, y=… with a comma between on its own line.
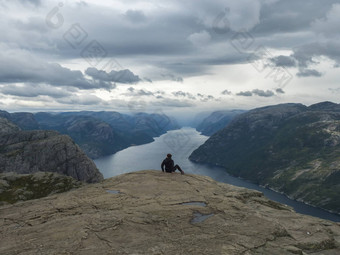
x=26, y=152
x=150, y=214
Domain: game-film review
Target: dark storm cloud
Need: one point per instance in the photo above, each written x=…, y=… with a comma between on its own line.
x=122, y=76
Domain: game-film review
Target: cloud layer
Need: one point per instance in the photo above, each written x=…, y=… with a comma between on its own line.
x=57, y=52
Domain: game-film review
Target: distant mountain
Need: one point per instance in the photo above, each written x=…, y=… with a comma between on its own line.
x=291, y=148
x=149, y=125
x=24, y=120
x=95, y=137
x=98, y=133
x=26, y=152
x=216, y=121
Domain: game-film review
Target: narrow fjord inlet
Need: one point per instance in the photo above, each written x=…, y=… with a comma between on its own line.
x=181, y=143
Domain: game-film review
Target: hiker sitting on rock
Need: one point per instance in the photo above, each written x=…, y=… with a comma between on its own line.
x=169, y=165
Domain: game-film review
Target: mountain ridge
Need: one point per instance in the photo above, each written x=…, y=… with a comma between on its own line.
x=290, y=148
x=26, y=152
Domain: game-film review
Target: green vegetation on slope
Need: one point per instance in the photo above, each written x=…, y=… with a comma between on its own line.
x=290, y=148
x=22, y=187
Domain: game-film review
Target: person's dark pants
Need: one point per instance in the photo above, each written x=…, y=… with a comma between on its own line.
x=176, y=167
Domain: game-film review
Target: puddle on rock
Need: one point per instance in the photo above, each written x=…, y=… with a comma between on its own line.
x=195, y=203
x=113, y=191
x=198, y=217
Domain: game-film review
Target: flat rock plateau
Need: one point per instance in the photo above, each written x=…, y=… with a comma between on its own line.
x=150, y=212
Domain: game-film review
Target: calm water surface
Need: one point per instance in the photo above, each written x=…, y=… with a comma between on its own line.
x=180, y=143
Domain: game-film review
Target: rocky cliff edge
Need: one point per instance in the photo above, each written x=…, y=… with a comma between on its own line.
x=26, y=152
x=151, y=212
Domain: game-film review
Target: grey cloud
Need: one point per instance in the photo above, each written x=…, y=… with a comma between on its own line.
x=280, y=91
x=257, y=92
x=334, y=90
x=226, y=92
x=34, y=2
x=263, y=93
x=184, y=94
x=24, y=68
x=309, y=73
x=245, y=93
x=168, y=102
x=143, y=92
x=291, y=15
x=329, y=25
x=33, y=90
x=135, y=16
x=32, y=24
x=172, y=77
x=82, y=100
x=284, y=61
x=205, y=98
x=122, y=76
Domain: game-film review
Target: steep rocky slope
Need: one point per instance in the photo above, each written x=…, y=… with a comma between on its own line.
x=27, y=152
x=138, y=128
x=217, y=121
x=98, y=133
x=151, y=212
x=291, y=148
x=95, y=137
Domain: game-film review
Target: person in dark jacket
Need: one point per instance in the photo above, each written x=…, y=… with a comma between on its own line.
x=168, y=163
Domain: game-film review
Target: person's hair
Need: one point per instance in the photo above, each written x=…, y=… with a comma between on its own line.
x=169, y=155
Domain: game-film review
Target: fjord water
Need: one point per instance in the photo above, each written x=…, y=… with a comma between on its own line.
x=181, y=143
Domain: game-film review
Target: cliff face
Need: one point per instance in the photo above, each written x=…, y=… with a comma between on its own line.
x=27, y=152
x=291, y=148
x=98, y=133
x=217, y=121
x=151, y=212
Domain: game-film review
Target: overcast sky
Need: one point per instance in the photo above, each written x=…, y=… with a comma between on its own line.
x=167, y=55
